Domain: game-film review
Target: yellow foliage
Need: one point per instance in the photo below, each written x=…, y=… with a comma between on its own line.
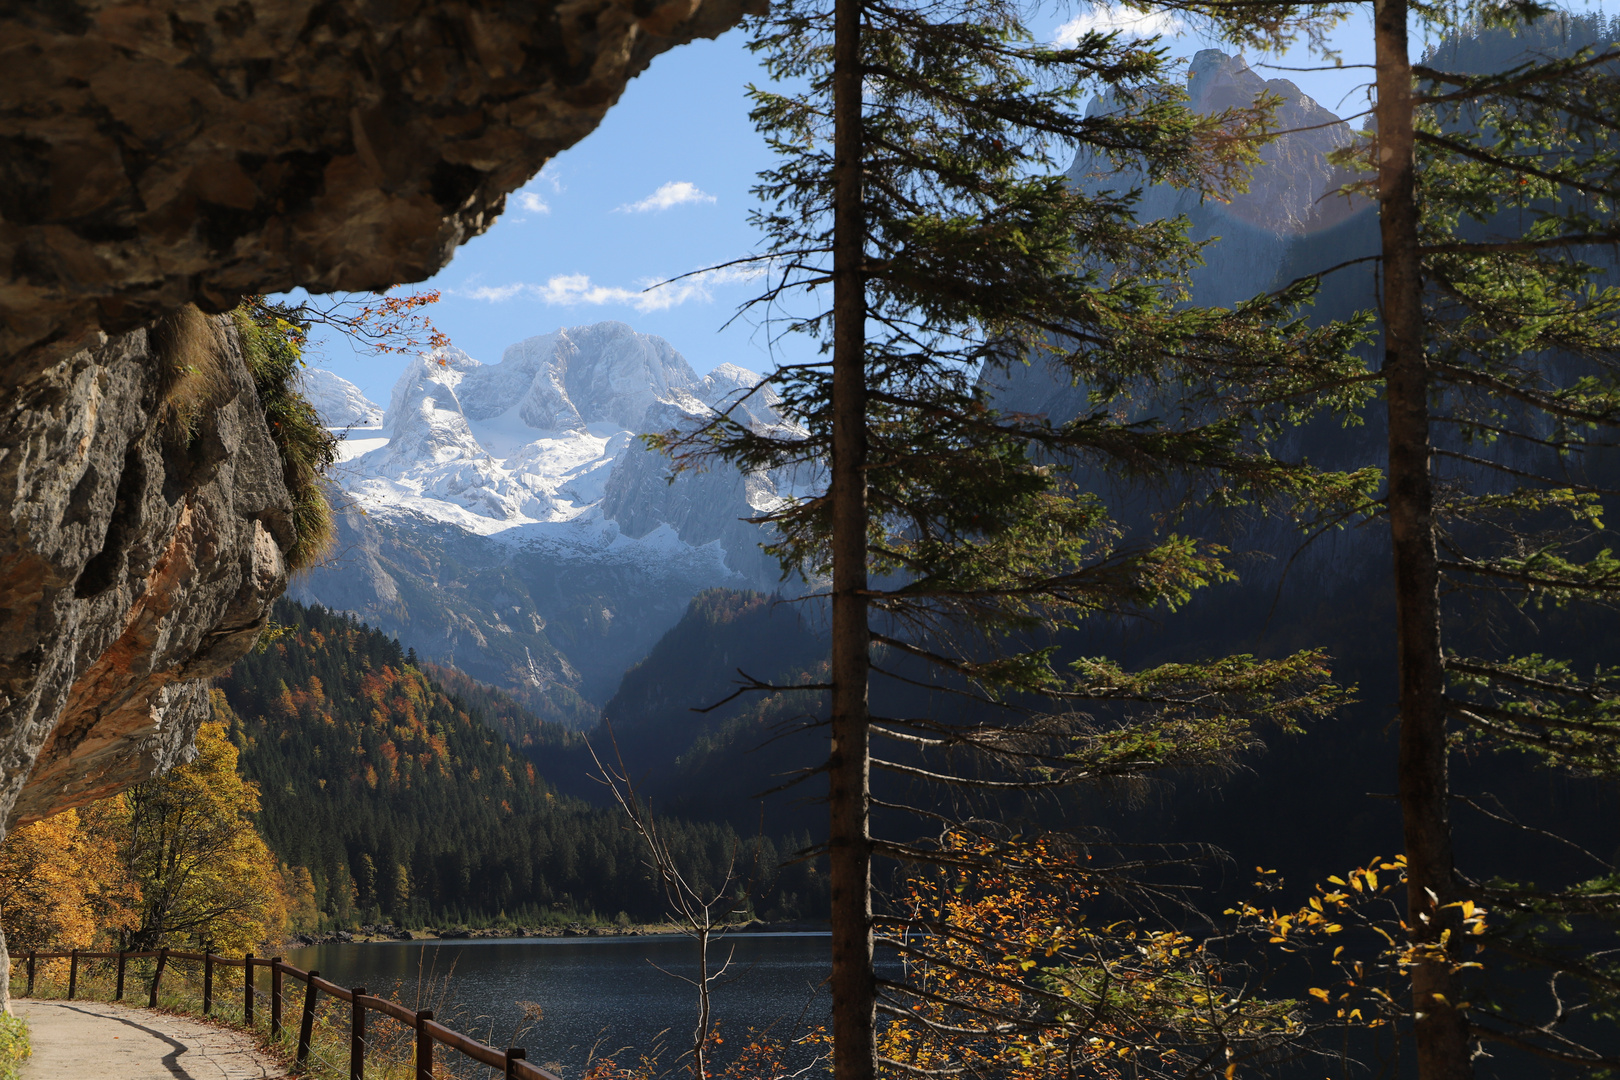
x=297, y=887
x=62, y=885
x=1009, y=974
x=191, y=843
x=176, y=856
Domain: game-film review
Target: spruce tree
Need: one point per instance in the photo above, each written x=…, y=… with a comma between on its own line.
x=1499, y=371
x=1495, y=161
x=918, y=179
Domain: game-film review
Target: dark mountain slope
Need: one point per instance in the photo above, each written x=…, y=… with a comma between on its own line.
x=707, y=765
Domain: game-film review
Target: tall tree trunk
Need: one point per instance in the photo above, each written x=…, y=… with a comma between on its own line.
x=854, y=989
x=1440, y=1031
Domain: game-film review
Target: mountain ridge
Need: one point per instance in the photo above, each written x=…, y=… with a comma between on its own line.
x=506, y=519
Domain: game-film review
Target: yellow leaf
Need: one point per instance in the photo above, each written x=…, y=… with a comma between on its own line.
x=1320, y=995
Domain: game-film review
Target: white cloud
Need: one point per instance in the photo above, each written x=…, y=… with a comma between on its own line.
x=671, y=194
x=567, y=290
x=1106, y=18
x=529, y=201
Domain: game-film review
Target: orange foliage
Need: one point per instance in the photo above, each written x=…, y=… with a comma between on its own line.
x=62, y=884
x=375, y=321
x=1010, y=973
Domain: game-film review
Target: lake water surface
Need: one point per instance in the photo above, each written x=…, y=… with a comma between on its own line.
x=601, y=993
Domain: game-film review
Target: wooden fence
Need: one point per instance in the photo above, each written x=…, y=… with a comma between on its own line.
x=429, y=1033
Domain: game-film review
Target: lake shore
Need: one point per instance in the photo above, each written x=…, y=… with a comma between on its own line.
x=383, y=932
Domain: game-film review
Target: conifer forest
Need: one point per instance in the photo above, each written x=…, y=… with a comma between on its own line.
x=1138, y=665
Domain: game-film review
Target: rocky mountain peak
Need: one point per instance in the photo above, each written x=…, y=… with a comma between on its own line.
x=533, y=438
x=1290, y=205
x=1289, y=193
x=338, y=402
x=527, y=477
x=605, y=373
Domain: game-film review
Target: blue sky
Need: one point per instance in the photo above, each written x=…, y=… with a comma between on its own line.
x=660, y=189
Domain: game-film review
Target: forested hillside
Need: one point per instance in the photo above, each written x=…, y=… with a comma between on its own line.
x=403, y=802
x=545, y=731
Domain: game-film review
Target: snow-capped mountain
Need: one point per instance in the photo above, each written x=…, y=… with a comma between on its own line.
x=534, y=438
x=505, y=517
x=340, y=402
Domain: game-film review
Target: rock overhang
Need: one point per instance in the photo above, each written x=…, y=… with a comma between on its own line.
x=154, y=154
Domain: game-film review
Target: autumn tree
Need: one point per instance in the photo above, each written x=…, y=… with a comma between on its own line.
x=62, y=883
x=919, y=205
x=189, y=840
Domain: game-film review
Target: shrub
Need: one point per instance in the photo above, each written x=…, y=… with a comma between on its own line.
x=14, y=1046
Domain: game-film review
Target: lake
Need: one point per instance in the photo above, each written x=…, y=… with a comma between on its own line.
x=602, y=993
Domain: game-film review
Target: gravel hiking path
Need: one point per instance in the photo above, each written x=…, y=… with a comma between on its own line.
x=95, y=1040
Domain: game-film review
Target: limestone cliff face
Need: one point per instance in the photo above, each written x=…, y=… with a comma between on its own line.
x=140, y=549
x=158, y=153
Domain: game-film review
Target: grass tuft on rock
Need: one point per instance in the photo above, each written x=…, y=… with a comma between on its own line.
x=190, y=356
x=272, y=346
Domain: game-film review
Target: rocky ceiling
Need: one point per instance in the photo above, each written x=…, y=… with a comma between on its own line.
x=159, y=152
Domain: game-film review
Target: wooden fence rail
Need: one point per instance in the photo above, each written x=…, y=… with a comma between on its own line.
x=429, y=1032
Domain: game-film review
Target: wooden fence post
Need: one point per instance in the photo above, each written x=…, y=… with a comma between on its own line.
x=247, y=990
x=30, y=991
x=306, y=1027
x=275, y=997
x=424, y=1046
x=73, y=974
x=119, y=994
x=357, y=1036
x=163, y=958
x=514, y=1054
x=208, y=981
